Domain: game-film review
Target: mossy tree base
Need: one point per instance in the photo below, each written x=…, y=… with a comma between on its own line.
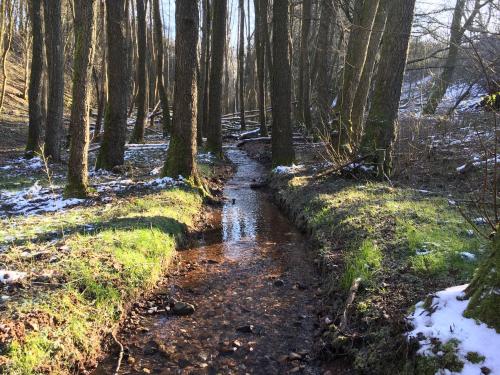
x=484, y=290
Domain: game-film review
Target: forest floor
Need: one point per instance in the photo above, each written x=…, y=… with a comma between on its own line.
x=404, y=239
x=248, y=293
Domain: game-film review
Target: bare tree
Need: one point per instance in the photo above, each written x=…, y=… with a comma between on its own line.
x=304, y=67
x=181, y=153
x=260, y=19
x=364, y=17
x=158, y=41
x=33, y=145
x=241, y=63
x=380, y=131
x=457, y=31
x=112, y=149
x=214, y=131
x=282, y=146
x=55, y=65
x=138, y=132
x=84, y=30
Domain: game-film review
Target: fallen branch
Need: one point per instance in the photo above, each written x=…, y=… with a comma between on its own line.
x=350, y=299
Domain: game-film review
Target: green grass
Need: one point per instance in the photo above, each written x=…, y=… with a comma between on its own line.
x=362, y=263
x=99, y=271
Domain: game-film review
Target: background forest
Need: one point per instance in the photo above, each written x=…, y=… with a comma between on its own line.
x=124, y=124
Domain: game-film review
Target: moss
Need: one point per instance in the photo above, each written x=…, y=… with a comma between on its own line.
x=475, y=357
x=484, y=298
x=104, y=269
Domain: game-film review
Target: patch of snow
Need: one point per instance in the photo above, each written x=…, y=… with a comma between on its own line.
x=479, y=221
x=155, y=171
x=281, y=169
x=468, y=256
x=10, y=277
x=35, y=200
x=447, y=322
x=423, y=251
x=32, y=164
x=206, y=158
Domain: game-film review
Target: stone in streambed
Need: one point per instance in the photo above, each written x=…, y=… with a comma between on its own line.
x=183, y=309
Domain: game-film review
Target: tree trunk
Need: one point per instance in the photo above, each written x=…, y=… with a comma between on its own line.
x=441, y=83
x=6, y=49
x=364, y=17
x=380, y=130
x=304, y=67
x=282, y=146
x=361, y=97
x=260, y=18
x=138, y=132
x=84, y=29
x=158, y=41
x=182, y=151
x=319, y=75
x=33, y=145
x=101, y=85
x=484, y=300
x=241, y=64
x=214, y=134
x=55, y=70
x=203, y=76
x=112, y=149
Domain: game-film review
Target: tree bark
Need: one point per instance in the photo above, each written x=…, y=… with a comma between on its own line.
x=112, y=149
x=380, y=132
x=361, y=97
x=203, y=76
x=214, y=134
x=182, y=150
x=138, y=132
x=158, y=41
x=319, y=75
x=101, y=84
x=281, y=143
x=241, y=63
x=33, y=145
x=304, y=67
x=84, y=30
x=260, y=19
x=55, y=70
x=364, y=17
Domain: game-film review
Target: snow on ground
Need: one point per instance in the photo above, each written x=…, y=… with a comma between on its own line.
x=281, y=169
x=447, y=322
x=414, y=96
x=9, y=277
x=479, y=163
x=33, y=164
x=34, y=200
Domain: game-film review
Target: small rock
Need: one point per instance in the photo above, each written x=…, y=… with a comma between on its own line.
x=151, y=348
x=294, y=356
x=131, y=360
x=485, y=370
x=278, y=283
x=183, y=308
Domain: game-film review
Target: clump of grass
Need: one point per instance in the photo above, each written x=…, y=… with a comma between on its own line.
x=361, y=263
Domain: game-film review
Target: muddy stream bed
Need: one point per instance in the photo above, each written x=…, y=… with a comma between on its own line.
x=251, y=278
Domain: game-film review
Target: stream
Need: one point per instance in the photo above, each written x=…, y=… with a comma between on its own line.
x=253, y=283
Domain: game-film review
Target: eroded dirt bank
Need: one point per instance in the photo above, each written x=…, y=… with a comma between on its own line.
x=252, y=281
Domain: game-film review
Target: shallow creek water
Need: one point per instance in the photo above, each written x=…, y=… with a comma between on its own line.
x=252, y=281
